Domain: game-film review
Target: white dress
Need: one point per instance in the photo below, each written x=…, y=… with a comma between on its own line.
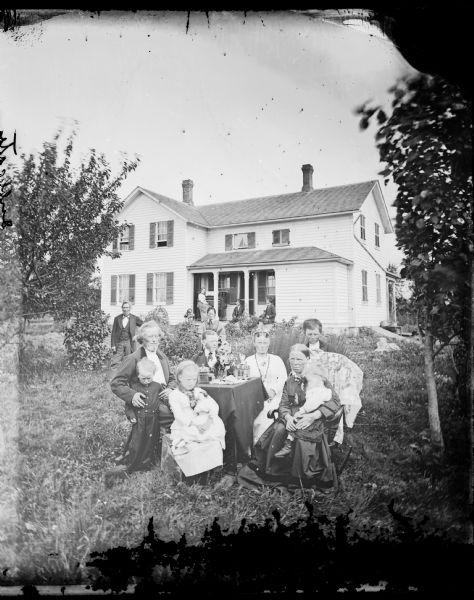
x=314, y=397
x=205, y=448
x=273, y=374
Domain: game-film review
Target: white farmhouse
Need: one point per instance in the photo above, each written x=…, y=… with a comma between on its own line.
x=318, y=252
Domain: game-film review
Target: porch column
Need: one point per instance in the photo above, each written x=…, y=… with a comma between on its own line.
x=215, y=275
x=246, y=290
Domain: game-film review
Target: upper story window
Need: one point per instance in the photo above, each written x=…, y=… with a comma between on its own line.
x=281, y=237
x=239, y=241
x=126, y=240
x=377, y=235
x=362, y=227
x=161, y=234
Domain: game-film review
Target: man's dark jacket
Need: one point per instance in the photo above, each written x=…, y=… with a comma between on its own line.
x=134, y=322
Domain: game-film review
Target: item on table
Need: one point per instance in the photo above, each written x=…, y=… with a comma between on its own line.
x=204, y=374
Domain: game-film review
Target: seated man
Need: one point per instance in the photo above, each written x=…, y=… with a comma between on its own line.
x=238, y=311
x=208, y=356
x=269, y=314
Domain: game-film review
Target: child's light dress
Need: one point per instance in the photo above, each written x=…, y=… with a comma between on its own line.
x=205, y=448
x=314, y=398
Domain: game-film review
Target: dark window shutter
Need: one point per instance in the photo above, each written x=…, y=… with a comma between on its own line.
x=169, y=288
x=152, y=235
x=276, y=237
x=131, y=289
x=131, y=237
x=228, y=241
x=251, y=239
x=113, y=290
x=170, y=233
x=115, y=245
x=149, y=288
x=285, y=236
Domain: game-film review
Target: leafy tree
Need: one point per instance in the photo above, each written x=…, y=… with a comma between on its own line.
x=426, y=144
x=66, y=219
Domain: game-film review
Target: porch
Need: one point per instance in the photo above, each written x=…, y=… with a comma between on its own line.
x=225, y=287
x=303, y=282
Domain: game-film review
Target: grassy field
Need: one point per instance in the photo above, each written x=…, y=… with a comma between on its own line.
x=71, y=427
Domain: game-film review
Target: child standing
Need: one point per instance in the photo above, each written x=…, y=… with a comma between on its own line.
x=197, y=433
x=316, y=393
x=145, y=434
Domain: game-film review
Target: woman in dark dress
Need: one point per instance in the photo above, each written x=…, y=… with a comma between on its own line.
x=310, y=463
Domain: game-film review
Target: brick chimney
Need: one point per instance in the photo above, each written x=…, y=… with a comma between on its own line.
x=307, y=178
x=188, y=192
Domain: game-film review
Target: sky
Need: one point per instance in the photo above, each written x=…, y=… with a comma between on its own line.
x=236, y=104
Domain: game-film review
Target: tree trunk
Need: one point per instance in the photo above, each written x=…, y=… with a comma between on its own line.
x=433, y=412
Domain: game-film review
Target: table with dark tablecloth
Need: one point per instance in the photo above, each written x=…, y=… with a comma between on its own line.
x=239, y=404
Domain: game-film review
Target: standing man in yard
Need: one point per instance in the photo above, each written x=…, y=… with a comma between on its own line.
x=123, y=331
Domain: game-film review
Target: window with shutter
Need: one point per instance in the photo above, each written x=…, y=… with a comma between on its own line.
x=124, y=239
x=251, y=240
x=115, y=245
x=123, y=288
x=152, y=235
x=131, y=289
x=149, y=288
x=228, y=241
x=362, y=227
x=365, y=295
x=377, y=235
x=169, y=288
x=161, y=234
x=170, y=233
x=113, y=289
x=131, y=237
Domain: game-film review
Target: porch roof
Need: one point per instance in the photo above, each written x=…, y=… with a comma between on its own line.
x=242, y=258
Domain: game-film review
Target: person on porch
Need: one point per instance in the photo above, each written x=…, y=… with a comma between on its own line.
x=123, y=332
x=269, y=314
x=238, y=311
x=202, y=304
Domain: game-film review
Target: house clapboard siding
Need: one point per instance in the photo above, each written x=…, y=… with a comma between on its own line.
x=143, y=259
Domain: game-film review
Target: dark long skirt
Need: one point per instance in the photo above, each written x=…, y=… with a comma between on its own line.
x=309, y=464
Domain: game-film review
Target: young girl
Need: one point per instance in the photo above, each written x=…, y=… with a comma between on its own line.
x=197, y=433
x=316, y=393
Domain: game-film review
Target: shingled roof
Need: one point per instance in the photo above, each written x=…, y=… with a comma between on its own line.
x=342, y=198
x=272, y=255
x=190, y=213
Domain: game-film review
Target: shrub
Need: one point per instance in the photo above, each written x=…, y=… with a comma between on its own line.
x=160, y=315
x=338, y=344
x=281, y=340
x=182, y=343
x=84, y=340
x=241, y=328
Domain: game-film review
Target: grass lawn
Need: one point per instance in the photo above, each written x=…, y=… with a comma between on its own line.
x=71, y=427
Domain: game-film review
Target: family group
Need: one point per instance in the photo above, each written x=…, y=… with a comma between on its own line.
x=301, y=413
